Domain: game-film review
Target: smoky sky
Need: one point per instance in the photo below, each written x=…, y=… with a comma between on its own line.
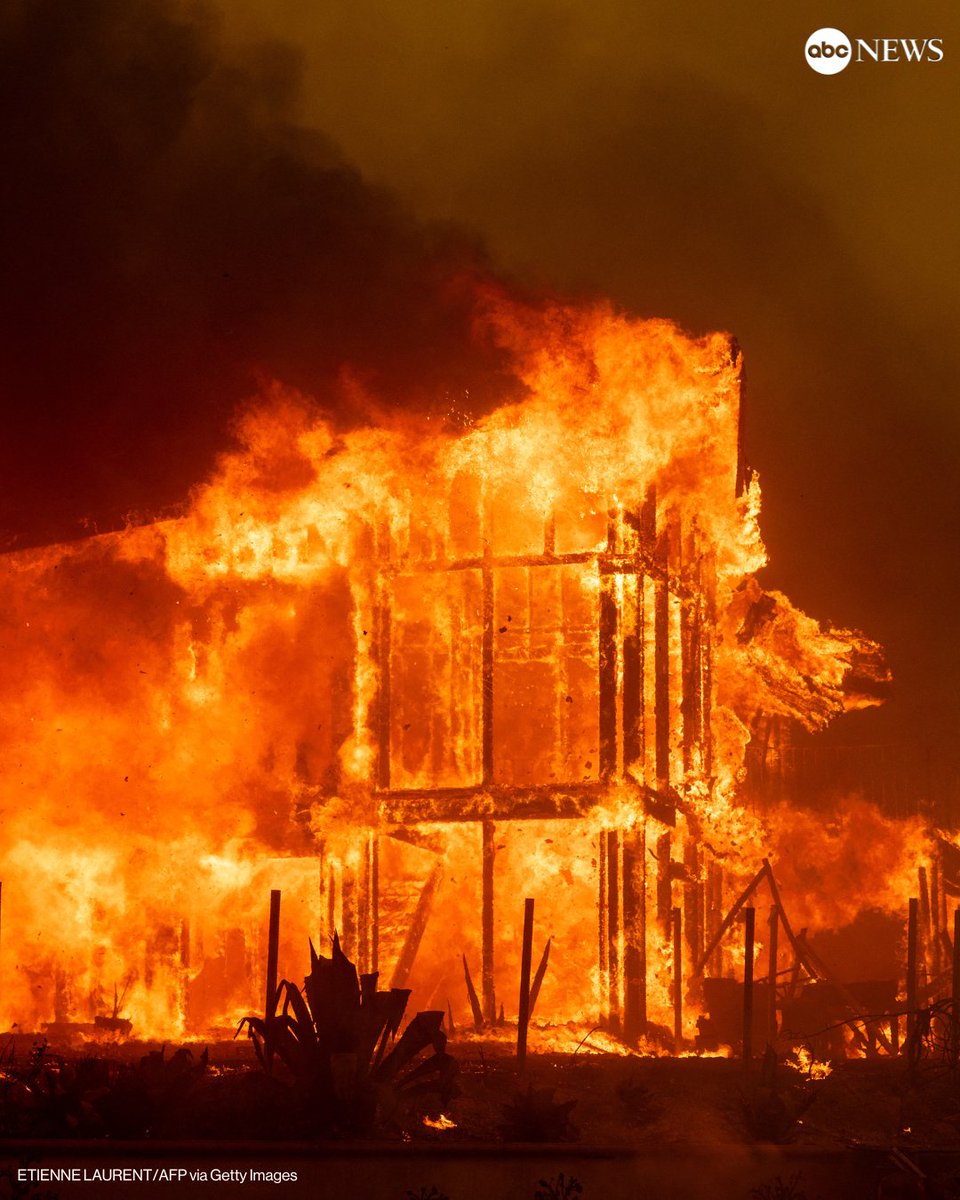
x=170, y=236
x=193, y=199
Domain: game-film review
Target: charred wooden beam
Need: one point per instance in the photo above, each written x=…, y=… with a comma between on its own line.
x=772, y=976
x=363, y=910
x=664, y=880
x=661, y=637
x=677, y=982
x=613, y=928
x=913, y=920
x=374, y=903
x=523, y=1009
x=486, y=675
x=607, y=679
x=749, y=915
x=603, y=948
x=632, y=563
x=348, y=910
x=706, y=702
x=955, y=991
x=634, y=935
x=713, y=918
x=331, y=903
x=743, y=473
x=273, y=954
x=417, y=927
x=923, y=942
x=538, y=977
x=632, y=715
x=691, y=897
x=486, y=921
x=478, y=1021
x=689, y=682
x=935, y=926
x=383, y=705
x=729, y=920
x=407, y=807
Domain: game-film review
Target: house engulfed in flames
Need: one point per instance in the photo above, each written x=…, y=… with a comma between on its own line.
x=410, y=678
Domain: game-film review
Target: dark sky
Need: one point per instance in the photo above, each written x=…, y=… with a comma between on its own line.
x=190, y=198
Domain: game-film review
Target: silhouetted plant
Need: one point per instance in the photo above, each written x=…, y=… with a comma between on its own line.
x=332, y=1040
x=558, y=1188
x=51, y=1097
x=778, y=1190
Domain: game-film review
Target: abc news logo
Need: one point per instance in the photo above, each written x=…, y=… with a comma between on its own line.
x=829, y=50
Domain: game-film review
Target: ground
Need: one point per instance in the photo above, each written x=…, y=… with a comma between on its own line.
x=692, y=1126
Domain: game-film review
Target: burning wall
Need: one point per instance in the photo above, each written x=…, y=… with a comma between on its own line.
x=408, y=669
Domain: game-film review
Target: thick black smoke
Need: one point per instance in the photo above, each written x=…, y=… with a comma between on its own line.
x=168, y=235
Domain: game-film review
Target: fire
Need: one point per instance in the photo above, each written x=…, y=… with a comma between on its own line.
x=396, y=670
x=441, y=1122
x=804, y=1061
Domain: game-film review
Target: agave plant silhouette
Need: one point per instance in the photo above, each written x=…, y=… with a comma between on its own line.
x=333, y=1039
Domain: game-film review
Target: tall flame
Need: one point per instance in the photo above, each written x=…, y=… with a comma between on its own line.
x=190, y=708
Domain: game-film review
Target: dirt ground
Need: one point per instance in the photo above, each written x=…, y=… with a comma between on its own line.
x=599, y=1099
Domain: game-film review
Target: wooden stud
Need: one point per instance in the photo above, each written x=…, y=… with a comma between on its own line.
x=526, y=955
x=664, y=880
x=661, y=625
x=677, y=982
x=486, y=669
x=486, y=964
x=913, y=920
x=607, y=676
x=613, y=928
x=374, y=902
x=749, y=914
x=602, y=945
x=273, y=954
x=417, y=926
x=634, y=935
x=729, y=920
x=383, y=717
x=955, y=989
x=772, y=977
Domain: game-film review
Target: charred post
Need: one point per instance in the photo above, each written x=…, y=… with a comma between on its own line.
x=664, y=880
x=418, y=923
x=955, y=990
x=613, y=928
x=374, y=903
x=523, y=1012
x=607, y=677
x=486, y=924
x=677, y=982
x=273, y=953
x=772, y=977
x=913, y=921
x=634, y=935
x=749, y=915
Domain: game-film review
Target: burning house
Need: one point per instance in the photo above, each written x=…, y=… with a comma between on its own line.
x=408, y=676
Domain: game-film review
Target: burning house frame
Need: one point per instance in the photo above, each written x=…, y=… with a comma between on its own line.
x=528, y=652
x=581, y=664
